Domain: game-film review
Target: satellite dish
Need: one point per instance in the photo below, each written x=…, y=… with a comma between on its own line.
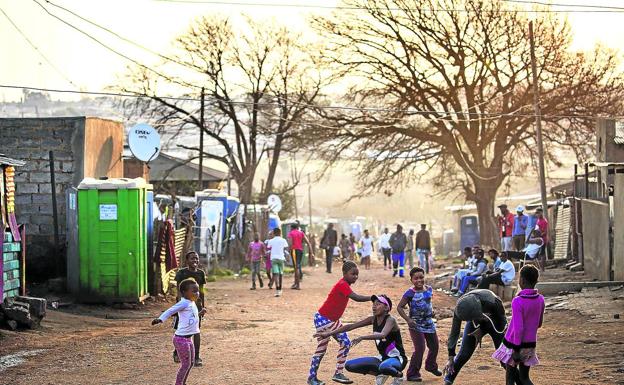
x=144, y=142
x=275, y=203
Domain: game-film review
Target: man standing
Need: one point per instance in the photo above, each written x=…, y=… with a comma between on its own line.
x=542, y=225
x=296, y=237
x=423, y=247
x=505, y=227
x=521, y=222
x=409, y=250
x=398, y=242
x=328, y=242
x=384, y=244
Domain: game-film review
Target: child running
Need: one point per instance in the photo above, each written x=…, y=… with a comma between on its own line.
x=328, y=318
x=517, y=352
x=387, y=336
x=193, y=271
x=188, y=326
x=421, y=326
x=255, y=251
x=279, y=250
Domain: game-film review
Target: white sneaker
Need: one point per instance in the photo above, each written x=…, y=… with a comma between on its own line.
x=381, y=379
x=397, y=381
x=279, y=293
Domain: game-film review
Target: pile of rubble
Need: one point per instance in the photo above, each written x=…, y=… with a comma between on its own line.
x=602, y=305
x=22, y=312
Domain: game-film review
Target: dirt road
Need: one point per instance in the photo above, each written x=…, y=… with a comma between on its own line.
x=250, y=337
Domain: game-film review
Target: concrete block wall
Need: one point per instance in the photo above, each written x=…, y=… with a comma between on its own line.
x=596, y=239
x=31, y=140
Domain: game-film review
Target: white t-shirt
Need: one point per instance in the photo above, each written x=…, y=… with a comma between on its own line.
x=508, y=272
x=384, y=240
x=188, y=317
x=367, y=246
x=336, y=251
x=532, y=249
x=277, y=245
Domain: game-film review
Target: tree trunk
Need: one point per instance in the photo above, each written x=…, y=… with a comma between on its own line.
x=485, y=196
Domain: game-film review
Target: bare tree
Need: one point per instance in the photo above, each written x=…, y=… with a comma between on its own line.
x=446, y=84
x=260, y=81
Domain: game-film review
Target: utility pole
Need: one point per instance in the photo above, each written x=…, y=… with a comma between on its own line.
x=538, y=124
x=201, y=142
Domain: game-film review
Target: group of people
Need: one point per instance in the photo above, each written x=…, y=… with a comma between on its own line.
x=398, y=249
x=481, y=310
x=517, y=237
x=480, y=273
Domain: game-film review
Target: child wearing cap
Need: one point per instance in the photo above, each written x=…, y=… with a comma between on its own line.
x=387, y=336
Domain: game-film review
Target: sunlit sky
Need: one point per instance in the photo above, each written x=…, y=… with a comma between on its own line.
x=155, y=24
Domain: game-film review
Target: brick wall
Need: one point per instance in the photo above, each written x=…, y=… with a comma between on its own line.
x=31, y=140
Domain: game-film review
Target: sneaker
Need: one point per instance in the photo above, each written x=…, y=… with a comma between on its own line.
x=279, y=293
x=199, y=362
x=261, y=284
x=436, y=372
x=339, y=377
x=414, y=379
x=252, y=288
x=381, y=379
x=453, y=290
x=458, y=294
x=315, y=381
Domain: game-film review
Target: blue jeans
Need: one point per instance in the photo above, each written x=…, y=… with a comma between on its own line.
x=398, y=262
x=466, y=281
x=423, y=259
x=373, y=365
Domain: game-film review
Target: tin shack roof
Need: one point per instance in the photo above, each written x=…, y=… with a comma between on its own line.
x=5, y=160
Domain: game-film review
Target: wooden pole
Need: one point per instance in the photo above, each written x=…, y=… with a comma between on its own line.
x=309, y=205
x=538, y=124
x=201, y=142
x=57, y=242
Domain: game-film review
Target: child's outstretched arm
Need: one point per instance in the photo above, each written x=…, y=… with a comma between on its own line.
x=169, y=312
x=390, y=324
x=345, y=328
x=360, y=298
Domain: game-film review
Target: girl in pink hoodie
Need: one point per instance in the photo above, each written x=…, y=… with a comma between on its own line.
x=517, y=352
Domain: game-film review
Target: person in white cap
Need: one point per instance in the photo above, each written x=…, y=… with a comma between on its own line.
x=521, y=222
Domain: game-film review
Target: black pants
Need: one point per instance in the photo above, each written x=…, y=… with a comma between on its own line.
x=329, y=255
x=387, y=253
x=468, y=346
x=489, y=280
x=518, y=376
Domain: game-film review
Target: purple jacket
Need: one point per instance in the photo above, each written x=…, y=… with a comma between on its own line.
x=527, y=315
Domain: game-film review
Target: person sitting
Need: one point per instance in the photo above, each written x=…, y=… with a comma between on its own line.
x=474, y=275
x=470, y=255
x=495, y=258
x=503, y=275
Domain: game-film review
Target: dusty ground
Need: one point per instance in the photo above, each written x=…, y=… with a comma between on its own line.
x=250, y=337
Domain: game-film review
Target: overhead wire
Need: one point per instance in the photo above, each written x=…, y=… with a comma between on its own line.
x=37, y=49
x=328, y=107
x=441, y=9
x=114, y=50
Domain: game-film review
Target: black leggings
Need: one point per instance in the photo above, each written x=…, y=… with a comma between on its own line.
x=387, y=253
x=518, y=375
x=468, y=346
x=329, y=255
x=490, y=279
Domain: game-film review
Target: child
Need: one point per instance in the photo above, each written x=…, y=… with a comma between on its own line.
x=254, y=255
x=421, y=326
x=387, y=336
x=328, y=318
x=279, y=250
x=368, y=247
x=188, y=326
x=517, y=352
x=474, y=275
x=267, y=259
x=193, y=271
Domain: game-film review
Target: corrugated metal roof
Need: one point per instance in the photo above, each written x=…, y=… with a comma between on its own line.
x=619, y=133
x=10, y=161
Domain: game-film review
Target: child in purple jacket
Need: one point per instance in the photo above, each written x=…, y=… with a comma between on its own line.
x=517, y=353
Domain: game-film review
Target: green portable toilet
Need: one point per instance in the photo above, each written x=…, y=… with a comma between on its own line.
x=112, y=240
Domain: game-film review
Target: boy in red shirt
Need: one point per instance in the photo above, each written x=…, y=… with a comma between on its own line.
x=328, y=318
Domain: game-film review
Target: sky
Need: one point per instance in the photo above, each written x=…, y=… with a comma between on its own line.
x=79, y=63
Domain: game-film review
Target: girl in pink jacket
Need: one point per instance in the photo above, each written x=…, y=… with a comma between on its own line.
x=517, y=352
